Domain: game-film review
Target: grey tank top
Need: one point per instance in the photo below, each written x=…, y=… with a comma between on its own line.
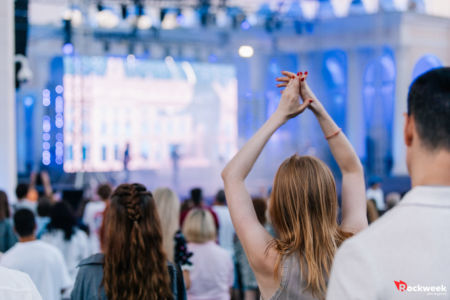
x=292, y=286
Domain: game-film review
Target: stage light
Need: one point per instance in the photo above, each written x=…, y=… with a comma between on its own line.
x=46, y=97
x=169, y=21
x=222, y=19
x=67, y=49
x=59, y=89
x=28, y=101
x=74, y=16
x=341, y=7
x=246, y=51
x=144, y=22
x=107, y=19
x=371, y=6
x=309, y=8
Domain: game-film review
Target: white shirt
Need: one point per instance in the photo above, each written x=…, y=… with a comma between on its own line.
x=410, y=244
x=73, y=251
x=212, y=273
x=226, y=229
x=15, y=285
x=43, y=263
x=378, y=196
x=93, y=218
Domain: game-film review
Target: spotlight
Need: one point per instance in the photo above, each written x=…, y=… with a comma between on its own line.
x=144, y=22
x=107, y=19
x=169, y=21
x=246, y=51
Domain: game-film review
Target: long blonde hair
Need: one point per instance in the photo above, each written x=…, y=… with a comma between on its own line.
x=168, y=206
x=303, y=209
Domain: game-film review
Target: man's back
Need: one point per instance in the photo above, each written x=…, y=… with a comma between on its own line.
x=405, y=254
x=43, y=263
x=226, y=229
x=15, y=285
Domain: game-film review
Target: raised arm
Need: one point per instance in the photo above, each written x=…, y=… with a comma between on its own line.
x=354, y=217
x=251, y=233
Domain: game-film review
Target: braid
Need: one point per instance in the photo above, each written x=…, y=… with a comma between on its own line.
x=135, y=264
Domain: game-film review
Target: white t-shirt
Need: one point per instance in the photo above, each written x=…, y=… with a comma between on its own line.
x=73, y=251
x=93, y=218
x=15, y=285
x=43, y=263
x=212, y=273
x=378, y=196
x=226, y=229
x=408, y=247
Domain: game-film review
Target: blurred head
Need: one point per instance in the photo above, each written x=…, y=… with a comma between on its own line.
x=62, y=218
x=135, y=263
x=24, y=223
x=427, y=126
x=199, y=226
x=197, y=196
x=4, y=206
x=392, y=199
x=22, y=190
x=168, y=206
x=303, y=209
x=220, y=198
x=260, y=206
x=44, y=207
x=104, y=191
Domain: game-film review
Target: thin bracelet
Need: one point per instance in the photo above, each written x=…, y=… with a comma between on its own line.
x=334, y=134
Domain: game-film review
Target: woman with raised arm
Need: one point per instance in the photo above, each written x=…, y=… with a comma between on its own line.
x=303, y=206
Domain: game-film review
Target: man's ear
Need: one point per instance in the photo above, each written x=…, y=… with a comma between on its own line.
x=408, y=131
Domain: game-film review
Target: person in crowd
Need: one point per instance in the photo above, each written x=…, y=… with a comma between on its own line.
x=226, y=229
x=7, y=236
x=43, y=262
x=63, y=233
x=392, y=199
x=303, y=204
x=376, y=193
x=248, y=280
x=409, y=245
x=43, y=215
x=93, y=215
x=134, y=265
x=197, y=202
x=372, y=211
x=213, y=272
x=27, y=197
x=16, y=285
x=174, y=243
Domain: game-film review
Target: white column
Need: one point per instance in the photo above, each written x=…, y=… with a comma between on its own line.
x=8, y=173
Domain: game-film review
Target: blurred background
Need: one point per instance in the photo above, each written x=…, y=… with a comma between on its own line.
x=165, y=92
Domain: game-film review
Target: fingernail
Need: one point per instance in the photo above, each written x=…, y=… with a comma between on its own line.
x=306, y=72
x=303, y=79
x=298, y=73
x=311, y=101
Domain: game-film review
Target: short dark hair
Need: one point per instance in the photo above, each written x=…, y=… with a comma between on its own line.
x=22, y=190
x=220, y=197
x=24, y=222
x=429, y=105
x=197, y=195
x=104, y=191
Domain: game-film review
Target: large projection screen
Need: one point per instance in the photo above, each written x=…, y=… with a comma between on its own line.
x=164, y=110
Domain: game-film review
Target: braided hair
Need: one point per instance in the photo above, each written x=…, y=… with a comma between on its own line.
x=135, y=264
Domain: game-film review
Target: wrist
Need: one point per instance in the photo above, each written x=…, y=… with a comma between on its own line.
x=279, y=118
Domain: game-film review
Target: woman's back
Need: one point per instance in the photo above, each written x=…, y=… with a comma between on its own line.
x=212, y=274
x=88, y=285
x=292, y=285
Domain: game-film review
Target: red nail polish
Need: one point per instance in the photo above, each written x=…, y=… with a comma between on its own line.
x=298, y=73
x=303, y=79
x=311, y=101
x=306, y=72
